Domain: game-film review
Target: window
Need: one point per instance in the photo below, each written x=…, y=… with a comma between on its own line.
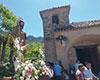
x=55, y=19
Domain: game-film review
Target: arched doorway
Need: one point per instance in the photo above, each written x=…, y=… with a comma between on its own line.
x=86, y=50
x=90, y=54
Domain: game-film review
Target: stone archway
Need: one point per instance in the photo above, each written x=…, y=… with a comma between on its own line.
x=86, y=48
x=86, y=40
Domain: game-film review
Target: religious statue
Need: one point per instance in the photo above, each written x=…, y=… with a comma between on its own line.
x=20, y=36
x=19, y=39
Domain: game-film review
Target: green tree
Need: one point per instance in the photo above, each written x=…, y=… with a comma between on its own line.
x=33, y=51
x=7, y=19
x=7, y=23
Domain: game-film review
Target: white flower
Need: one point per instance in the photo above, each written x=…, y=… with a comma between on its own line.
x=26, y=62
x=26, y=67
x=34, y=68
x=23, y=64
x=36, y=77
x=23, y=73
x=18, y=66
x=21, y=78
x=30, y=65
x=42, y=62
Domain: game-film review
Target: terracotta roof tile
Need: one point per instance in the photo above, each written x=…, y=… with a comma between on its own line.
x=85, y=23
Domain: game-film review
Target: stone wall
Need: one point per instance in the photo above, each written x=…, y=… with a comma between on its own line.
x=48, y=27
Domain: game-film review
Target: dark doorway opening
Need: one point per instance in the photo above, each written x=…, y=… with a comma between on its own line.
x=89, y=54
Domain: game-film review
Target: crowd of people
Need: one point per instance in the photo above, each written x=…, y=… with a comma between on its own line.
x=84, y=72
x=80, y=72
x=56, y=71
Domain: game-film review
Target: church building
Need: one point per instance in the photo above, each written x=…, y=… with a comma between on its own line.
x=69, y=42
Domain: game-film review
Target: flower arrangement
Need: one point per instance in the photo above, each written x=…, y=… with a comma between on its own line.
x=31, y=70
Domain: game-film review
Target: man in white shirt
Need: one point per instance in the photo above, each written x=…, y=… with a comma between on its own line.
x=88, y=75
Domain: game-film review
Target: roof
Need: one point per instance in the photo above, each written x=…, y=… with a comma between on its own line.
x=79, y=25
x=54, y=8
x=85, y=23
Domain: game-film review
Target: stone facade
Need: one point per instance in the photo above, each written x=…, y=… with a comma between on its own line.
x=62, y=38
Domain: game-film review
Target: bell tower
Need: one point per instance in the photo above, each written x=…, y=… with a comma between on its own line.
x=52, y=19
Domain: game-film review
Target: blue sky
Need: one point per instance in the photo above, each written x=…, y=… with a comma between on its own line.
x=81, y=10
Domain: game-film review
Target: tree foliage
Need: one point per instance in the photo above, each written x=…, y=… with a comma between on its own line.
x=7, y=23
x=7, y=19
x=33, y=51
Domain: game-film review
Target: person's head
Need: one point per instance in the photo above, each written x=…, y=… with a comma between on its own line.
x=21, y=24
x=47, y=63
x=77, y=61
x=88, y=65
x=81, y=68
x=56, y=62
x=60, y=62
